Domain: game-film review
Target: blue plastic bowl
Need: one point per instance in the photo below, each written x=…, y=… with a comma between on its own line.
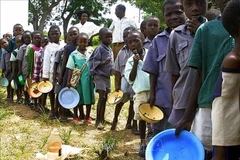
x=165, y=146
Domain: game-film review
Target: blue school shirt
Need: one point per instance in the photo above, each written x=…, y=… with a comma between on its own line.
x=154, y=64
x=100, y=55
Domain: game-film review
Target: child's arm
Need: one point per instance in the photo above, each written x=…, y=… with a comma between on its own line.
x=69, y=77
x=64, y=63
x=186, y=121
x=133, y=72
x=55, y=71
x=108, y=60
x=153, y=84
x=117, y=80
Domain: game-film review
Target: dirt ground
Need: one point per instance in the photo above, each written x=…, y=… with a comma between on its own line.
x=24, y=133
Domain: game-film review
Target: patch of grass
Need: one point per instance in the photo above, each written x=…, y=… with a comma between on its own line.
x=4, y=112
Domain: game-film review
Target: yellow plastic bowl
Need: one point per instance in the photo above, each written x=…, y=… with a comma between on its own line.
x=150, y=114
x=115, y=97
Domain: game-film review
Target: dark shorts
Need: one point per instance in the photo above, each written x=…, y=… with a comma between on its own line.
x=102, y=83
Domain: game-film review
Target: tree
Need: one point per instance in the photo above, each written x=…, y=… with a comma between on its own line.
x=40, y=11
x=150, y=7
x=70, y=8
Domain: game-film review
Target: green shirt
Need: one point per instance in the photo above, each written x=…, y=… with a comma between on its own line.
x=211, y=44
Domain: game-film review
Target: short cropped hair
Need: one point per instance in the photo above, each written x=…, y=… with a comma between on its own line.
x=167, y=2
x=121, y=7
x=231, y=17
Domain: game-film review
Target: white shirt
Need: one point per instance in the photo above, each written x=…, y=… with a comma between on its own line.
x=49, y=56
x=118, y=26
x=88, y=27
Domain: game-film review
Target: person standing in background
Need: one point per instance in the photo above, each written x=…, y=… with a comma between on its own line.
x=118, y=27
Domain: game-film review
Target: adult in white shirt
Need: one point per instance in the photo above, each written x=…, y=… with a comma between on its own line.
x=118, y=27
x=85, y=26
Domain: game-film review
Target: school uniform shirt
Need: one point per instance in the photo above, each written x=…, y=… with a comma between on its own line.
x=225, y=110
x=141, y=82
x=154, y=64
x=58, y=59
x=22, y=57
x=217, y=44
x=5, y=63
x=88, y=27
x=178, y=52
x=147, y=42
x=118, y=26
x=11, y=45
x=121, y=60
x=100, y=55
x=38, y=62
x=48, y=61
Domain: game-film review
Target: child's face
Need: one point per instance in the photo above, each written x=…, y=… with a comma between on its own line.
x=221, y=4
x=44, y=41
x=83, y=42
x=152, y=26
x=106, y=38
x=125, y=35
x=194, y=8
x=174, y=15
x=84, y=17
x=18, y=41
x=72, y=34
x=27, y=38
x=55, y=35
x=17, y=30
x=4, y=43
x=119, y=12
x=37, y=39
x=135, y=43
x=8, y=36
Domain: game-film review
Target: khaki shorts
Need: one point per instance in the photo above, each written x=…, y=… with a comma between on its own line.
x=138, y=99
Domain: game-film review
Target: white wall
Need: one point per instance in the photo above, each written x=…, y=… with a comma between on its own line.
x=12, y=12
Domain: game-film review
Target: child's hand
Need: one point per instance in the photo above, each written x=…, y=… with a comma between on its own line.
x=68, y=85
x=19, y=73
x=193, y=24
x=60, y=80
x=108, y=60
x=45, y=79
x=136, y=58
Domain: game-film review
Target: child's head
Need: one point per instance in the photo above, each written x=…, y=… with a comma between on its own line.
x=173, y=13
x=18, y=41
x=126, y=31
x=36, y=38
x=17, y=29
x=194, y=8
x=212, y=14
x=82, y=41
x=231, y=18
x=3, y=43
x=152, y=26
x=44, y=41
x=221, y=4
x=54, y=34
x=143, y=27
x=120, y=11
x=105, y=36
x=8, y=36
x=26, y=37
x=72, y=34
x=135, y=41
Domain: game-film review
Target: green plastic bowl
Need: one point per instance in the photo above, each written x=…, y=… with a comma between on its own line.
x=4, y=81
x=21, y=80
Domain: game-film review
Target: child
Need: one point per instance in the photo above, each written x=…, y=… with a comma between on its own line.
x=8, y=36
x=121, y=83
x=139, y=81
x=78, y=59
x=15, y=69
x=101, y=63
x=22, y=61
x=160, y=82
x=48, y=63
x=62, y=71
x=179, y=46
x=44, y=41
x=211, y=44
x=34, y=65
x=17, y=30
x=5, y=66
x=225, y=109
x=152, y=29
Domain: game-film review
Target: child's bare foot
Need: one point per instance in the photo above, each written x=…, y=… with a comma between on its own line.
x=128, y=126
x=99, y=126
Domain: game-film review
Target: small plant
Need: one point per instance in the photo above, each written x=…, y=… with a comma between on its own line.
x=109, y=144
x=65, y=134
